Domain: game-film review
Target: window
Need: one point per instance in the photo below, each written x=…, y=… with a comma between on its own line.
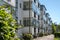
x=44, y=12
x=26, y=22
x=41, y=18
x=20, y=21
x=35, y=1
x=16, y=17
x=35, y=14
x=9, y=0
x=38, y=17
x=20, y=5
x=41, y=8
x=26, y=5
x=44, y=21
x=34, y=30
x=38, y=30
x=38, y=5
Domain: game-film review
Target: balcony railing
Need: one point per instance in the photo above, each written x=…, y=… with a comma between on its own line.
x=35, y=8
x=35, y=23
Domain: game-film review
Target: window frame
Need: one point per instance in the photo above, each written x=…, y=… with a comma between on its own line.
x=26, y=23
x=35, y=14
x=35, y=1
x=26, y=5
x=20, y=5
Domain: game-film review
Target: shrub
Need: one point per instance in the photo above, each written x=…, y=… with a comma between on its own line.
x=40, y=34
x=35, y=36
x=57, y=34
x=45, y=34
x=7, y=26
x=27, y=36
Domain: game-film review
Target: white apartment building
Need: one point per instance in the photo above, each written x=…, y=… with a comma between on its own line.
x=43, y=18
x=50, y=26
x=27, y=13
x=45, y=22
x=31, y=15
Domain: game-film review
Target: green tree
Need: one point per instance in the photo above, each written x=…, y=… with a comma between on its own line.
x=7, y=7
x=58, y=28
x=7, y=26
x=53, y=28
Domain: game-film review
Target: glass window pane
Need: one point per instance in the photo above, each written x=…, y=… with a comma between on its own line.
x=26, y=5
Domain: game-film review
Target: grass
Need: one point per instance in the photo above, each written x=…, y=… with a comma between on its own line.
x=56, y=38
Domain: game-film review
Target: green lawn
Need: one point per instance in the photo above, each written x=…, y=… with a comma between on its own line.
x=56, y=38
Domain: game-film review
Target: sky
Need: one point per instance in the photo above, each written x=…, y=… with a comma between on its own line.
x=53, y=8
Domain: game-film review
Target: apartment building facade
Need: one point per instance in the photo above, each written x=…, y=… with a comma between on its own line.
x=49, y=24
x=42, y=18
x=32, y=15
x=46, y=22
x=28, y=14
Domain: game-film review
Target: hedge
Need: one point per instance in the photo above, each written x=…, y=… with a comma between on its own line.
x=57, y=34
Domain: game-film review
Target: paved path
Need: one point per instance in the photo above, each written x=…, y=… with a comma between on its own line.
x=49, y=37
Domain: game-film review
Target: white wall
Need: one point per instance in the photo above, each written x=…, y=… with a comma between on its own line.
x=20, y=9
x=26, y=30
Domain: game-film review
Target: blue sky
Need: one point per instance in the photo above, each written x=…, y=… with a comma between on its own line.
x=53, y=8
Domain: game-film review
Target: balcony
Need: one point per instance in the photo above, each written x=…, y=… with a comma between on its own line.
x=33, y=22
x=35, y=8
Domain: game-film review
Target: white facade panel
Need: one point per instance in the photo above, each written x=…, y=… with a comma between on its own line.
x=26, y=13
x=26, y=30
x=19, y=10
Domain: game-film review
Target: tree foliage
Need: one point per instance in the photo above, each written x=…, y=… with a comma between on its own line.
x=53, y=28
x=59, y=26
x=7, y=26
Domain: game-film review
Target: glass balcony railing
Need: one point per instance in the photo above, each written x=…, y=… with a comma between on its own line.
x=31, y=22
x=35, y=23
x=35, y=8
